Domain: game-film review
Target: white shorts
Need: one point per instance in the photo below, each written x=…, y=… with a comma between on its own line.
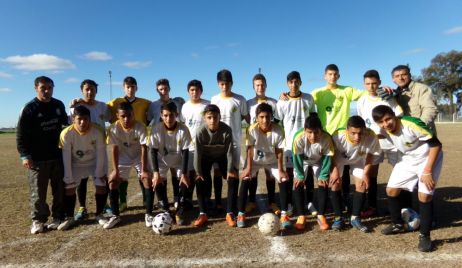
x=237, y=156
x=163, y=170
x=356, y=169
x=406, y=175
x=273, y=168
x=124, y=171
x=80, y=173
x=288, y=159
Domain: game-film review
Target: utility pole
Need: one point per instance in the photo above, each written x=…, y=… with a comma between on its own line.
x=110, y=85
x=259, y=70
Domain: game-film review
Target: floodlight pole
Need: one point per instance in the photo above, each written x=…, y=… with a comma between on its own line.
x=110, y=84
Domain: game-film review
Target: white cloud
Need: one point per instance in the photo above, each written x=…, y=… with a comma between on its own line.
x=71, y=80
x=39, y=62
x=454, y=30
x=5, y=75
x=97, y=55
x=5, y=90
x=136, y=64
x=413, y=51
x=114, y=83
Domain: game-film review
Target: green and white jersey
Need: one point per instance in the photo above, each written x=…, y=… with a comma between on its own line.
x=316, y=154
x=192, y=116
x=99, y=113
x=253, y=103
x=170, y=143
x=348, y=153
x=265, y=144
x=367, y=103
x=333, y=105
x=292, y=113
x=128, y=141
x=232, y=110
x=411, y=138
x=83, y=150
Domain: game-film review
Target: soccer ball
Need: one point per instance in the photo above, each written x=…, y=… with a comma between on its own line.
x=162, y=223
x=411, y=219
x=268, y=224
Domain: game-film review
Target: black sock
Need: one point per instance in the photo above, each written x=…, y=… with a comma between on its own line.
x=82, y=192
x=149, y=203
x=271, y=188
x=100, y=202
x=114, y=200
x=217, y=187
x=346, y=186
x=176, y=188
x=142, y=192
x=283, y=195
x=405, y=199
x=394, y=205
x=426, y=217
x=309, y=186
x=372, y=192
x=253, y=189
x=243, y=190
x=336, y=203
x=123, y=187
x=233, y=188
x=322, y=199
x=299, y=201
x=161, y=192
x=69, y=203
x=358, y=200
x=201, y=192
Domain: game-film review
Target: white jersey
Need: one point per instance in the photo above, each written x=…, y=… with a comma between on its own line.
x=312, y=153
x=348, y=153
x=128, y=141
x=265, y=144
x=232, y=110
x=83, y=150
x=170, y=143
x=367, y=103
x=153, y=115
x=292, y=113
x=99, y=113
x=192, y=116
x=252, y=105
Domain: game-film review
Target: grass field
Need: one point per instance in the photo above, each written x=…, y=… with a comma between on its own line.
x=132, y=244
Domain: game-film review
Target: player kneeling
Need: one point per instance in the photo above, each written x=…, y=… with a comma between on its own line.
x=420, y=164
x=355, y=146
x=84, y=154
x=265, y=143
x=312, y=147
x=128, y=139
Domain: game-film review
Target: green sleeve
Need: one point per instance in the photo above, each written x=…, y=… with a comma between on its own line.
x=326, y=163
x=298, y=167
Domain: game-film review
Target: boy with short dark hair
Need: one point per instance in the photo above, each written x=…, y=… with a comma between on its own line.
x=214, y=144
x=419, y=165
x=84, y=155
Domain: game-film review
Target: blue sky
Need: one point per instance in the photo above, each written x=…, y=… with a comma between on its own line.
x=70, y=41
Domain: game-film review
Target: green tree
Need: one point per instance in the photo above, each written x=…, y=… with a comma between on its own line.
x=444, y=75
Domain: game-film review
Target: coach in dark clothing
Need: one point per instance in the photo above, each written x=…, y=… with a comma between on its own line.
x=39, y=126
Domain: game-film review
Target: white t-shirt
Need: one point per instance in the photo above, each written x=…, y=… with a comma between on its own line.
x=128, y=141
x=348, y=153
x=252, y=105
x=99, y=113
x=367, y=103
x=192, y=116
x=265, y=144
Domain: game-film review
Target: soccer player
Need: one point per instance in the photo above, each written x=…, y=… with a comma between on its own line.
x=313, y=147
x=37, y=137
x=233, y=109
x=127, y=137
x=214, y=144
x=84, y=155
x=265, y=143
x=192, y=116
x=140, y=109
x=259, y=85
x=100, y=114
x=419, y=165
x=355, y=146
x=169, y=142
x=364, y=107
x=292, y=112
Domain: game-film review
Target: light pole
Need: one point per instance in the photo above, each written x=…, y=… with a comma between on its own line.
x=110, y=85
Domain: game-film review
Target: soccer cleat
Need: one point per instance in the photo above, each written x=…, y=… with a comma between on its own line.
x=230, y=220
x=285, y=222
x=250, y=207
x=148, y=220
x=54, y=224
x=275, y=209
x=37, y=227
x=393, y=229
x=300, y=224
x=107, y=211
x=241, y=220
x=101, y=219
x=322, y=222
x=337, y=225
x=311, y=209
x=425, y=243
x=81, y=214
x=112, y=222
x=66, y=224
x=123, y=207
x=201, y=220
x=368, y=213
x=356, y=223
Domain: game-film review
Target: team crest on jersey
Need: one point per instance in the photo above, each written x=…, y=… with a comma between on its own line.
x=408, y=144
x=80, y=153
x=328, y=109
x=260, y=154
x=234, y=109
